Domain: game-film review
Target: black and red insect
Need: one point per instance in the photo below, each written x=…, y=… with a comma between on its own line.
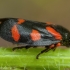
x=33, y=34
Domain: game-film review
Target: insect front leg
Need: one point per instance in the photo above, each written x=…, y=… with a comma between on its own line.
x=48, y=48
x=45, y=50
x=54, y=48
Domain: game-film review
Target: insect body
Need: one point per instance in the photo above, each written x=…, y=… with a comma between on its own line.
x=33, y=34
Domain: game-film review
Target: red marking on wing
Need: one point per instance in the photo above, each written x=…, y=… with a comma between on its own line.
x=20, y=21
x=15, y=33
x=35, y=35
x=54, y=32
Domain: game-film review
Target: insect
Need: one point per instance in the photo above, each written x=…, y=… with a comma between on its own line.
x=34, y=34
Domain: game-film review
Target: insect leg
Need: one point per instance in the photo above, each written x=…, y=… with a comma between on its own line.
x=18, y=47
x=50, y=47
x=54, y=48
x=45, y=50
x=27, y=47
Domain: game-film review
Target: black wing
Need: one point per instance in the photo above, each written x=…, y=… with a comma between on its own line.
x=26, y=28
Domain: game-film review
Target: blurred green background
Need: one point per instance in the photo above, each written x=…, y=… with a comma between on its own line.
x=55, y=11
